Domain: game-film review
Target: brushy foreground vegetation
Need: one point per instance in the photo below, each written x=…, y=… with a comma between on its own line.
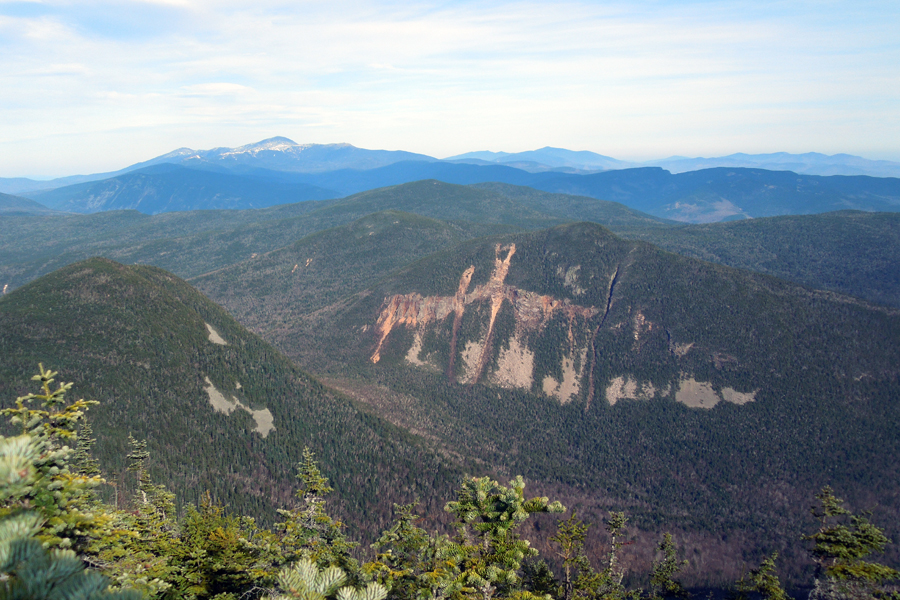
x=59, y=540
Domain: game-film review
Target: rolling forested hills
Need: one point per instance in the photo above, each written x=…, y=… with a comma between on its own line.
x=711, y=195
x=221, y=410
x=847, y=252
x=703, y=196
x=850, y=252
x=195, y=242
x=324, y=267
x=16, y=205
x=187, y=243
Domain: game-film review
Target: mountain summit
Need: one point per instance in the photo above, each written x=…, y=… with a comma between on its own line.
x=221, y=410
x=284, y=154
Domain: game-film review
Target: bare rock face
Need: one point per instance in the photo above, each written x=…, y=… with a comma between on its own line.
x=515, y=360
x=548, y=342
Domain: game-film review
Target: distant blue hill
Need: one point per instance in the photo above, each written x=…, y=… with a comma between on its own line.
x=278, y=170
x=15, y=205
x=810, y=163
x=545, y=159
x=167, y=188
x=351, y=181
x=704, y=196
x=284, y=155
x=721, y=194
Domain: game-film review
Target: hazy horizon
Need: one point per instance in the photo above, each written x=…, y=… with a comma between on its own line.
x=637, y=161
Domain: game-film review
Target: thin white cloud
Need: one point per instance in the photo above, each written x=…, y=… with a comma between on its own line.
x=216, y=89
x=642, y=79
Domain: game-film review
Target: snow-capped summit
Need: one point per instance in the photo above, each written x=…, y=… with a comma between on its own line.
x=275, y=144
x=284, y=154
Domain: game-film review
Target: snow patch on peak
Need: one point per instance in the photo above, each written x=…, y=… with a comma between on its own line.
x=276, y=144
x=179, y=152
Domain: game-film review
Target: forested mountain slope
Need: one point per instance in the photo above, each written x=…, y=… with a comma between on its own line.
x=711, y=195
x=850, y=252
x=186, y=243
x=270, y=292
x=16, y=205
x=222, y=411
x=693, y=394
x=194, y=242
x=169, y=188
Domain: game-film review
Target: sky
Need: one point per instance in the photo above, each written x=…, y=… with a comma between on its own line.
x=90, y=87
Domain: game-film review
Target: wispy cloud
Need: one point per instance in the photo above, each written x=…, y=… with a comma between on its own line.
x=132, y=79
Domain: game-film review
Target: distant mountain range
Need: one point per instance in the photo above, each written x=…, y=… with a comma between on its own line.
x=850, y=252
x=283, y=154
x=810, y=163
x=279, y=171
x=703, y=196
x=546, y=159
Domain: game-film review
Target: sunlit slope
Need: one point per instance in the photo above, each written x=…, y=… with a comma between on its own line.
x=655, y=301
x=222, y=410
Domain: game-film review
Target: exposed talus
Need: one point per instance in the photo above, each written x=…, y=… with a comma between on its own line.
x=532, y=310
x=459, y=303
x=495, y=290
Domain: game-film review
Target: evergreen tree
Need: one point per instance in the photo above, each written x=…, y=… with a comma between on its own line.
x=222, y=556
x=43, y=495
x=487, y=516
x=83, y=461
x=59, y=495
x=308, y=531
x=841, y=545
x=764, y=581
x=34, y=573
x=138, y=548
x=538, y=578
x=570, y=536
x=303, y=580
x=580, y=580
x=662, y=577
x=412, y=564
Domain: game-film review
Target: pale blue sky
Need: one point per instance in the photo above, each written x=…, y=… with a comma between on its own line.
x=94, y=86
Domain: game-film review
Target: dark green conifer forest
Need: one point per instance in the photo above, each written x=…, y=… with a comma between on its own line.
x=61, y=538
